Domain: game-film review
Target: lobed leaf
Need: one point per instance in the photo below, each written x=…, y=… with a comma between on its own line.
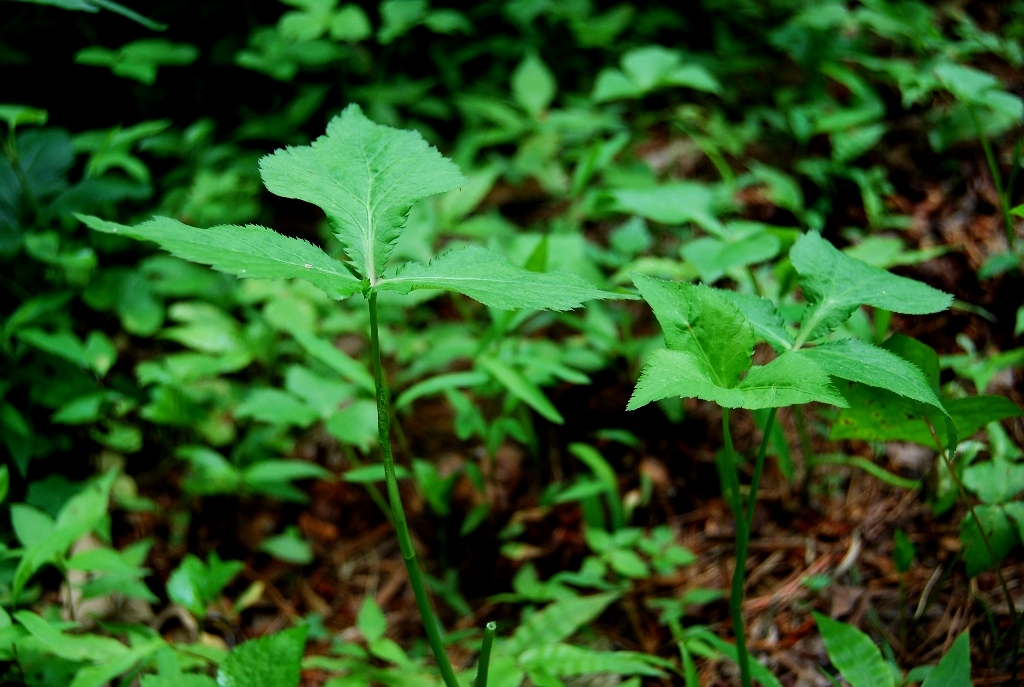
x=366, y=177
x=271, y=661
x=834, y=285
x=764, y=317
x=490, y=278
x=249, y=251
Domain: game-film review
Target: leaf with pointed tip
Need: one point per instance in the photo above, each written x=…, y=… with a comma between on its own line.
x=835, y=284
x=366, y=177
x=787, y=380
x=490, y=278
x=857, y=361
x=701, y=322
x=763, y=316
x=249, y=251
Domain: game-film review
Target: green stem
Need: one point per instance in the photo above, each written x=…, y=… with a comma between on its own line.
x=755, y=481
x=731, y=486
x=485, y=656
x=398, y=513
x=805, y=440
x=997, y=180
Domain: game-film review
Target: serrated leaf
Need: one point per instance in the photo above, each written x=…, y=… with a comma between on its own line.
x=854, y=654
x=490, y=278
x=954, y=669
x=787, y=380
x=857, y=361
x=699, y=321
x=272, y=661
x=834, y=284
x=565, y=660
x=555, y=622
x=366, y=177
x=763, y=316
x=249, y=251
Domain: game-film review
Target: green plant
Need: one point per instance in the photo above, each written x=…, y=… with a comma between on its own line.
x=366, y=178
x=710, y=337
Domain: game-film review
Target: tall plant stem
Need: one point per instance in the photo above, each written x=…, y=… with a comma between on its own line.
x=997, y=180
x=398, y=512
x=483, y=664
x=731, y=487
x=755, y=480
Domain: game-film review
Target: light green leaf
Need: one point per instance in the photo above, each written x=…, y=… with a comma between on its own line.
x=533, y=85
x=194, y=584
x=439, y=383
x=249, y=251
x=788, y=380
x=713, y=257
x=763, y=317
x=954, y=669
x=669, y=373
x=854, y=654
x=490, y=278
x=276, y=407
x=699, y=321
x=555, y=623
x=88, y=647
x=288, y=547
x=567, y=660
x=835, y=284
x=101, y=675
x=1001, y=533
x=371, y=621
x=366, y=177
x=857, y=361
x=271, y=661
x=673, y=203
x=521, y=388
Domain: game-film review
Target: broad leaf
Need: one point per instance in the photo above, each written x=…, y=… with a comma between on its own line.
x=366, y=177
x=857, y=361
x=763, y=316
x=673, y=203
x=490, y=278
x=194, y=584
x=249, y=251
x=787, y=380
x=854, y=654
x=1001, y=533
x=834, y=284
x=697, y=320
x=272, y=661
x=954, y=670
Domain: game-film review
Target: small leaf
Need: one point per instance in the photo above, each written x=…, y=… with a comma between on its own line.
x=835, y=285
x=366, y=177
x=272, y=661
x=1002, y=536
x=555, y=622
x=371, y=621
x=533, y=85
x=902, y=551
x=521, y=388
x=248, y=251
x=490, y=278
x=954, y=669
x=854, y=654
x=194, y=584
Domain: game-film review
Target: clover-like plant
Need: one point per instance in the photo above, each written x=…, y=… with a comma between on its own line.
x=710, y=336
x=366, y=178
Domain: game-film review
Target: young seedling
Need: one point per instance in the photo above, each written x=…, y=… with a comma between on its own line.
x=366, y=178
x=710, y=336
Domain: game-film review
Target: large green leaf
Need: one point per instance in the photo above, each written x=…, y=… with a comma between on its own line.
x=699, y=321
x=954, y=670
x=249, y=251
x=835, y=284
x=857, y=361
x=787, y=380
x=366, y=177
x=490, y=278
x=763, y=317
x=272, y=661
x=854, y=654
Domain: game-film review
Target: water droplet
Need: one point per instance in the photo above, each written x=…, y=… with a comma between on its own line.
x=308, y=266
